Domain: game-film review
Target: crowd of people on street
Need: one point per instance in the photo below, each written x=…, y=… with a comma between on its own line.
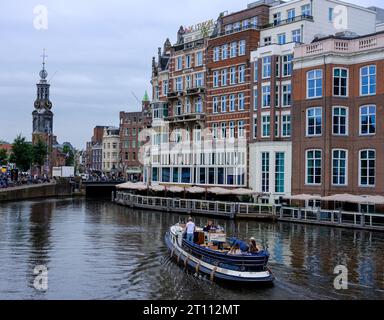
x=104, y=178
x=9, y=180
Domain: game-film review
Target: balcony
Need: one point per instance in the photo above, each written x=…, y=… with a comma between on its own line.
x=287, y=21
x=341, y=46
x=187, y=117
x=159, y=112
x=266, y=26
x=175, y=95
x=189, y=45
x=236, y=30
x=195, y=91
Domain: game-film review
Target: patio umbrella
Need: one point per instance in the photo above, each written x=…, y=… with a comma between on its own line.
x=220, y=191
x=243, y=192
x=304, y=197
x=175, y=189
x=345, y=198
x=374, y=199
x=127, y=185
x=139, y=186
x=157, y=188
x=195, y=190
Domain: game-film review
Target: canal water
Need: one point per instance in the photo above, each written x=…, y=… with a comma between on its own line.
x=98, y=250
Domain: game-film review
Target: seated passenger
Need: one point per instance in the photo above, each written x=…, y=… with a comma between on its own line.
x=253, y=246
x=235, y=250
x=210, y=226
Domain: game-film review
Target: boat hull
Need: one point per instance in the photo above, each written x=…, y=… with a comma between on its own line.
x=211, y=271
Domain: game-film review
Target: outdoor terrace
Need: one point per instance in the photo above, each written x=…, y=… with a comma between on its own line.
x=346, y=46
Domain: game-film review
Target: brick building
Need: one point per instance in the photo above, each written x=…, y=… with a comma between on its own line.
x=97, y=157
x=179, y=104
x=160, y=83
x=98, y=133
x=88, y=156
x=187, y=79
x=131, y=140
x=58, y=156
x=229, y=76
x=184, y=151
x=338, y=108
x=229, y=94
x=93, y=153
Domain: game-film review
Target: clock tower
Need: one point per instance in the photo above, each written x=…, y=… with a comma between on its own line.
x=43, y=117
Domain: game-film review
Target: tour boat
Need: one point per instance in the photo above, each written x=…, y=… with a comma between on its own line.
x=210, y=256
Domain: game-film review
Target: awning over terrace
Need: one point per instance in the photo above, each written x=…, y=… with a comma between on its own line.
x=349, y=198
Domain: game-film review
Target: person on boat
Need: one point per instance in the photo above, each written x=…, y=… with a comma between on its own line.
x=190, y=230
x=209, y=227
x=235, y=250
x=253, y=246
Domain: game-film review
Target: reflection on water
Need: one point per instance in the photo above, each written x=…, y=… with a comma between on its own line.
x=98, y=250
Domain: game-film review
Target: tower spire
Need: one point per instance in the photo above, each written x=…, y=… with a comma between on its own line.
x=44, y=56
x=43, y=72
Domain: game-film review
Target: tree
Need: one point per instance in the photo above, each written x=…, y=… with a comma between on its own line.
x=3, y=157
x=39, y=153
x=21, y=153
x=69, y=156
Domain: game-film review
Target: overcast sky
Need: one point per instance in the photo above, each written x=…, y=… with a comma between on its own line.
x=99, y=52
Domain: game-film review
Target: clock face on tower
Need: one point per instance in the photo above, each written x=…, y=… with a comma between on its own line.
x=43, y=104
x=43, y=74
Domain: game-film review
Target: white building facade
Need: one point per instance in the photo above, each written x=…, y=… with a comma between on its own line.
x=111, y=150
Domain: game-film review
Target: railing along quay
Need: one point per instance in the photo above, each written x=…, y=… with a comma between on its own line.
x=232, y=210
x=229, y=210
x=339, y=218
